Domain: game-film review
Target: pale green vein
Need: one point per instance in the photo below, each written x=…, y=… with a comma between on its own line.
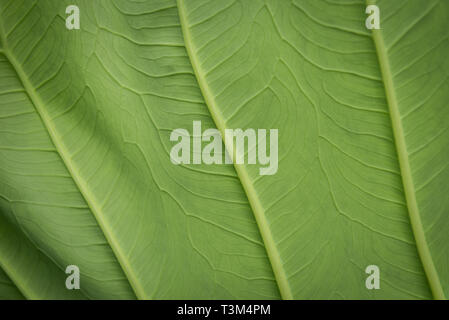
x=248, y=186
x=404, y=163
x=28, y=293
x=73, y=169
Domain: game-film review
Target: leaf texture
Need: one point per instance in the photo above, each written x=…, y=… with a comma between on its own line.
x=86, y=177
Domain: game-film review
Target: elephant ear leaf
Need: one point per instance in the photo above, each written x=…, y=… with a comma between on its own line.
x=415, y=71
x=35, y=276
x=8, y=291
x=363, y=129
x=85, y=171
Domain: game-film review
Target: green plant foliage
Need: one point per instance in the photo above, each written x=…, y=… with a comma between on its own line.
x=86, y=177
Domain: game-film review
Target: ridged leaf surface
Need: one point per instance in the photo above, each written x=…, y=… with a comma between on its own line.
x=86, y=177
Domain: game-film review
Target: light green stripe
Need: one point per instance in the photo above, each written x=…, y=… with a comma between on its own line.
x=253, y=197
x=404, y=163
x=90, y=198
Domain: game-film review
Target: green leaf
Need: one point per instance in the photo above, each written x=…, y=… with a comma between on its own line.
x=8, y=291
x=86, y=177
x=34, y=275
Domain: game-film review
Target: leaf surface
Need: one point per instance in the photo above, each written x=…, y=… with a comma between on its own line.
x=86, y=178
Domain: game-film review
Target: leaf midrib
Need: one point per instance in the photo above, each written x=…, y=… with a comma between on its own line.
x=403, y=159
x=404, y=165
x=253, y=198
x=242, y=173
x=94, y=207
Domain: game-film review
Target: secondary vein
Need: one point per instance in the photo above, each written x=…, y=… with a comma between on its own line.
x=251, y=193
x=404, y=164
x=63, y=152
